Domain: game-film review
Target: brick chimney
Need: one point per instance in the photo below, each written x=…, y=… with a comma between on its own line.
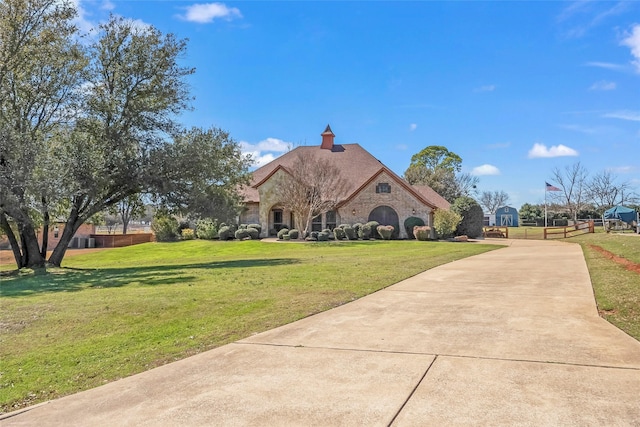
x=327, y=139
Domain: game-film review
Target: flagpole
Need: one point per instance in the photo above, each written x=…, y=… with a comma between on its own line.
x=545, y=205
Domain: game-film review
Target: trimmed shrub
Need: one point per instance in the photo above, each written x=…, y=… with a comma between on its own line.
x=255, y=226
x=356, y=228
x=421, y=232
x=225, y=233
x=364, y=232
x=242, y=233
x=385, y=231
x=286, y=237
x=342, y=226
x=373, y=226
x=165, y=228
x=338, y=232
x=323, y=236
x=242, y=226
x=350, y=233
x=282, y=232
x=207, y=229
x=188, y=234
x=253, y=233
x=445, y=222
x=331, y=235
x=411, y=222
x=472, y=216
x=294, y=234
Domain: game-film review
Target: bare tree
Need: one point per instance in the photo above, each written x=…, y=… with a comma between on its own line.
x=127, y=209
x=491, y=201
x=605, y=191
x=572, y=182
x=310, y=188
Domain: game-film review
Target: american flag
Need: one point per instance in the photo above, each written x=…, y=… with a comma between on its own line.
x=549, y=187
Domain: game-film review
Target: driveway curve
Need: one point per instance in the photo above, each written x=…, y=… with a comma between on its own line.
x=508, y=337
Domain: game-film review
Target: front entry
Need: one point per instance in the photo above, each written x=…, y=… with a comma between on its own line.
x=385, y=215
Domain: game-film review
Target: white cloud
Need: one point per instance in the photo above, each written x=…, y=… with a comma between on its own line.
x=486, y=88
x=259, y=161
x=634, y=116
x=402, y=147
x=82, y=20
x=107, y=5
x=581, y=129
x=485, y=169
x=633, y=42
x=606, y=65
x=413, y=127
x=269, y=144
x=540, y=151
x=207, y=12
x=263, y=152
x=603, y=85
x=584, y=15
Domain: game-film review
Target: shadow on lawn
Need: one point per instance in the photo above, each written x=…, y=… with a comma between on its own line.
x=77, y=279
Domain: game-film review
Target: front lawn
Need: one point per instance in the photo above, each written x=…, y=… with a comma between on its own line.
x=616, y=287
x=111, y=314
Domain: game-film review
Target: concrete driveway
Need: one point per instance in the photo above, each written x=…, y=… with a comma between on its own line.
x=509, y=337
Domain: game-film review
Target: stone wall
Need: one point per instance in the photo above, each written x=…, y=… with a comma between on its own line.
x=250, y=214
x=399, y=199
x=355, y=210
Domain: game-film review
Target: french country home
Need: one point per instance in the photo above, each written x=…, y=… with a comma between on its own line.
x=373, y=191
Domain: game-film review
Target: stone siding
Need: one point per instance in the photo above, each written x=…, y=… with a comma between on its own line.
x=366, y=200
x=250, y=214
x=399, y=199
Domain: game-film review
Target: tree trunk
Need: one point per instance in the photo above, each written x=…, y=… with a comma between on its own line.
x=70, y=228
x=125, y=224
x=15, y=246
x=307, y=231
x=45, y=231
x=31, y=256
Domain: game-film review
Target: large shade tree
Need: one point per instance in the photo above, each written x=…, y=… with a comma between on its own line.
x=440, y=169
x=83, y=127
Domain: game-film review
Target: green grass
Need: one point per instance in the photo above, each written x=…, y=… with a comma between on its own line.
x=617, y=290
x=111, y=314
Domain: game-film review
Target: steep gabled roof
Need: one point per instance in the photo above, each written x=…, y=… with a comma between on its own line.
x=355, y=163
x=358, y=167
x=430, y=194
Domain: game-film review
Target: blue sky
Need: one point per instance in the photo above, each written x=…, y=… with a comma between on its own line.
x=515, y=88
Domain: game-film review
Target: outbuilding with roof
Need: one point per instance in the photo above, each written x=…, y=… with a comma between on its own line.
x=506, y=216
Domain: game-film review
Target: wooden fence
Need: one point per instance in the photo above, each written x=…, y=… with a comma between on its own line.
x=120, y=240
x=569, y=230
x=493, y=231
